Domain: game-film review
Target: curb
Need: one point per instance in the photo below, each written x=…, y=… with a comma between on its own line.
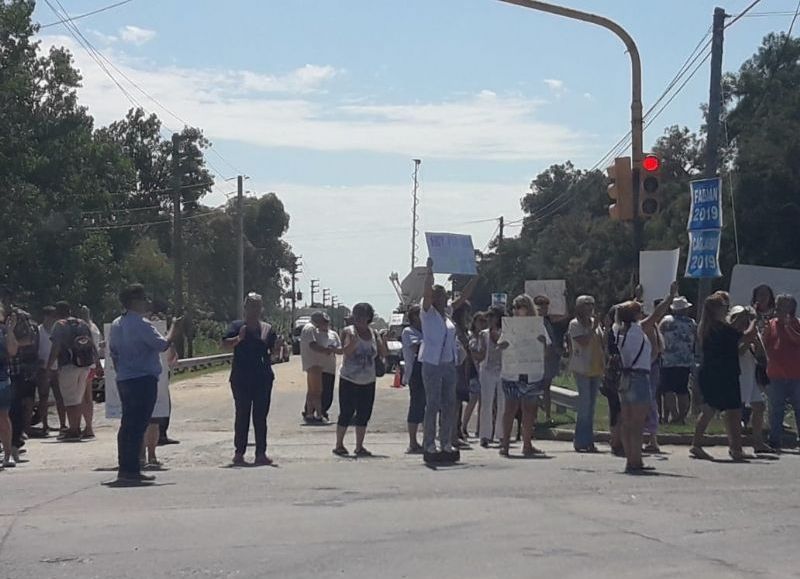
x=563, y=435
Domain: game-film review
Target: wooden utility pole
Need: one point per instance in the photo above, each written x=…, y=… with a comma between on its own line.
x=713, y=124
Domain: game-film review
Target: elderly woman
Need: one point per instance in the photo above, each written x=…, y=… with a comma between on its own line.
x=360, y=346
x=782, y=343
x=252, y=341
x=521, y=393
x=587, y=363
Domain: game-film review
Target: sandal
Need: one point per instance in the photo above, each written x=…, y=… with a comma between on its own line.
x=363, y=453
x=652, y=449
x=341, y=451
x=417, y=449
x=533, y=451
x=740, y=457
x=699, y=453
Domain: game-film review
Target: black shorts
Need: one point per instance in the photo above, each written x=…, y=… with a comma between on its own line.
x=24, y=388
x=355, y=403
x=675, y=380
x=416, y=388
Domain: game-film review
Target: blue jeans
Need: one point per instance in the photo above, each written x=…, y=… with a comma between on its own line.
x=778, y=392
x=440, y=402
x=138, y=398
x=587, y=400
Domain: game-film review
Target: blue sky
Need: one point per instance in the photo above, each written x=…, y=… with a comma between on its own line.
x=326, y=102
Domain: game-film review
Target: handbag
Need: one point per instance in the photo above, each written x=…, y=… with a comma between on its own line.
x=380, y=363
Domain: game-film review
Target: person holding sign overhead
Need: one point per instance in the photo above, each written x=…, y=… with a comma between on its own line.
x=439, y=355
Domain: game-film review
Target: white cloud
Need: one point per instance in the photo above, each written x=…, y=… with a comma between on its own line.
x=247, y=106
x=136, y=35
x=554, y=84
x=588, y=96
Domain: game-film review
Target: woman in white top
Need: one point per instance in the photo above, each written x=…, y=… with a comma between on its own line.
x=489, y=356
x=635, y=351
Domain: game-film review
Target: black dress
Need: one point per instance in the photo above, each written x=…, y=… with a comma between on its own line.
x=719, y=372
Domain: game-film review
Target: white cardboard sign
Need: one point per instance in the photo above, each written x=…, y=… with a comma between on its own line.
x=746, y=277
x=657, y=271
x=554, y=289
x=525, y=352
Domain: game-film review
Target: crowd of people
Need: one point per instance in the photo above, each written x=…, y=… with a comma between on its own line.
x=652, y=364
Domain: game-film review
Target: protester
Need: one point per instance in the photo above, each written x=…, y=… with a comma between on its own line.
x=520, y=392
x=465, y=371
x=650, y=327
x=75, y=351
x=556, y=326
x=479, y=324
x=361, y=345
x=782, y=344
x=611, y=382
x=8, y=349
x=489, y=357
x=679, y=333
x=48, y=374
x=252, y=341
x=317, y=355
x=85, y=314
x=22, y=370
x=135, y=347
x=587, y=365
x=763, y=300
x=719, y=375
x=740, y=318
x=411, y=339
x=636, y=395
x=329, y=365
x=439, y=355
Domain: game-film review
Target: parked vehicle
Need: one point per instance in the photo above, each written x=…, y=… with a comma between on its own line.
x=299, y=324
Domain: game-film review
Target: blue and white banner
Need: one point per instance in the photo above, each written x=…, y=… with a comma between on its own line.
x=703, y=261
x=706, y=211
x=451, y=253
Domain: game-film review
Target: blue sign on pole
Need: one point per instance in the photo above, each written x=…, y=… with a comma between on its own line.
x=706, y=212
x=703, y=261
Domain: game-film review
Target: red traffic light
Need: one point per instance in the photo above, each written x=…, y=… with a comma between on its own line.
x=651, y=163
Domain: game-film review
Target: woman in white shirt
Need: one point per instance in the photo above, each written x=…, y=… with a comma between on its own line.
x=635, y=351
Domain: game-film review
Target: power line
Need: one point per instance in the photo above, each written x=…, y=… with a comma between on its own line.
x=743, y=14
x=149, y=223
x=92, y=13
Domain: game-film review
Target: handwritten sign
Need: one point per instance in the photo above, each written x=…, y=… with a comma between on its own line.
x=703, y=259
x=706, y=211
x=554, y=289
x=657, y=271
x=451, y=253
x=113, y=404
x=499, y=300
x=525, y=352
x=746, y=278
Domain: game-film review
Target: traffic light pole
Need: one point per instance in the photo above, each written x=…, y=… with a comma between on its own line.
x=713, y=123
x=637, y=125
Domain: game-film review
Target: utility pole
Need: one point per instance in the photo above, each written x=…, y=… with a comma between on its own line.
x=240, y=243
x=177, y=232
x=295, y=270
x=314, y=291
x=414, y=216
x=326, y=294
x=713, y=124
x=501, y=230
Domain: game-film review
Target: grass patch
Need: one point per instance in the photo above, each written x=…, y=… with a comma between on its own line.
x=601, y=414
x=198, y=373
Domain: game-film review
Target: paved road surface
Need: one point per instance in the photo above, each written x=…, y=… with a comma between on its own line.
x=315, y=515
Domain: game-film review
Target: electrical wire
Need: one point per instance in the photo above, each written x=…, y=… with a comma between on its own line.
x=742, y=14
x=150, y=223
x=92, y=13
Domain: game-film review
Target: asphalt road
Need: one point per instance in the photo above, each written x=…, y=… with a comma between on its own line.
x=315, y=515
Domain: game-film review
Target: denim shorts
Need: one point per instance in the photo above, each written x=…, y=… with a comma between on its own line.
x=520, y=390
x=638, y=391
x=6, y=395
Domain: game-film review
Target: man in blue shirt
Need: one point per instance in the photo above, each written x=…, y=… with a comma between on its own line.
x=136, y=348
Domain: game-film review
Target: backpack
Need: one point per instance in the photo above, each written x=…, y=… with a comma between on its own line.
x=81, y=346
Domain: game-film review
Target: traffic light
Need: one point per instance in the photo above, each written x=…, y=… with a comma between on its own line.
x=620, y=189
x=649, y=185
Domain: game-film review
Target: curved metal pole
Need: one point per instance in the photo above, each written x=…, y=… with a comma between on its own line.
x=637, y=128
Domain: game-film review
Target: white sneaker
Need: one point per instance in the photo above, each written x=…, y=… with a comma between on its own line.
x=9, y=462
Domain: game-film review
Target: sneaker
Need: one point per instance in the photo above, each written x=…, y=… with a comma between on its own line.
x=238, y=460
x=262, y=460
x=167, y=441
x=9, y=462
x=485, y=443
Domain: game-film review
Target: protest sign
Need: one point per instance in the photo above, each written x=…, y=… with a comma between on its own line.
x=500, y=300
x=745, y=278
x=525, y=353
x=113, y=404
x=703, y=260
x=657, y=271
x=554, y=289
x=413, y=285
x=706, y=210
x=451, y=253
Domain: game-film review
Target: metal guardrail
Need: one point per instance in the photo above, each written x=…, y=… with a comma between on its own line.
x=563, y=399
x=191, y=364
